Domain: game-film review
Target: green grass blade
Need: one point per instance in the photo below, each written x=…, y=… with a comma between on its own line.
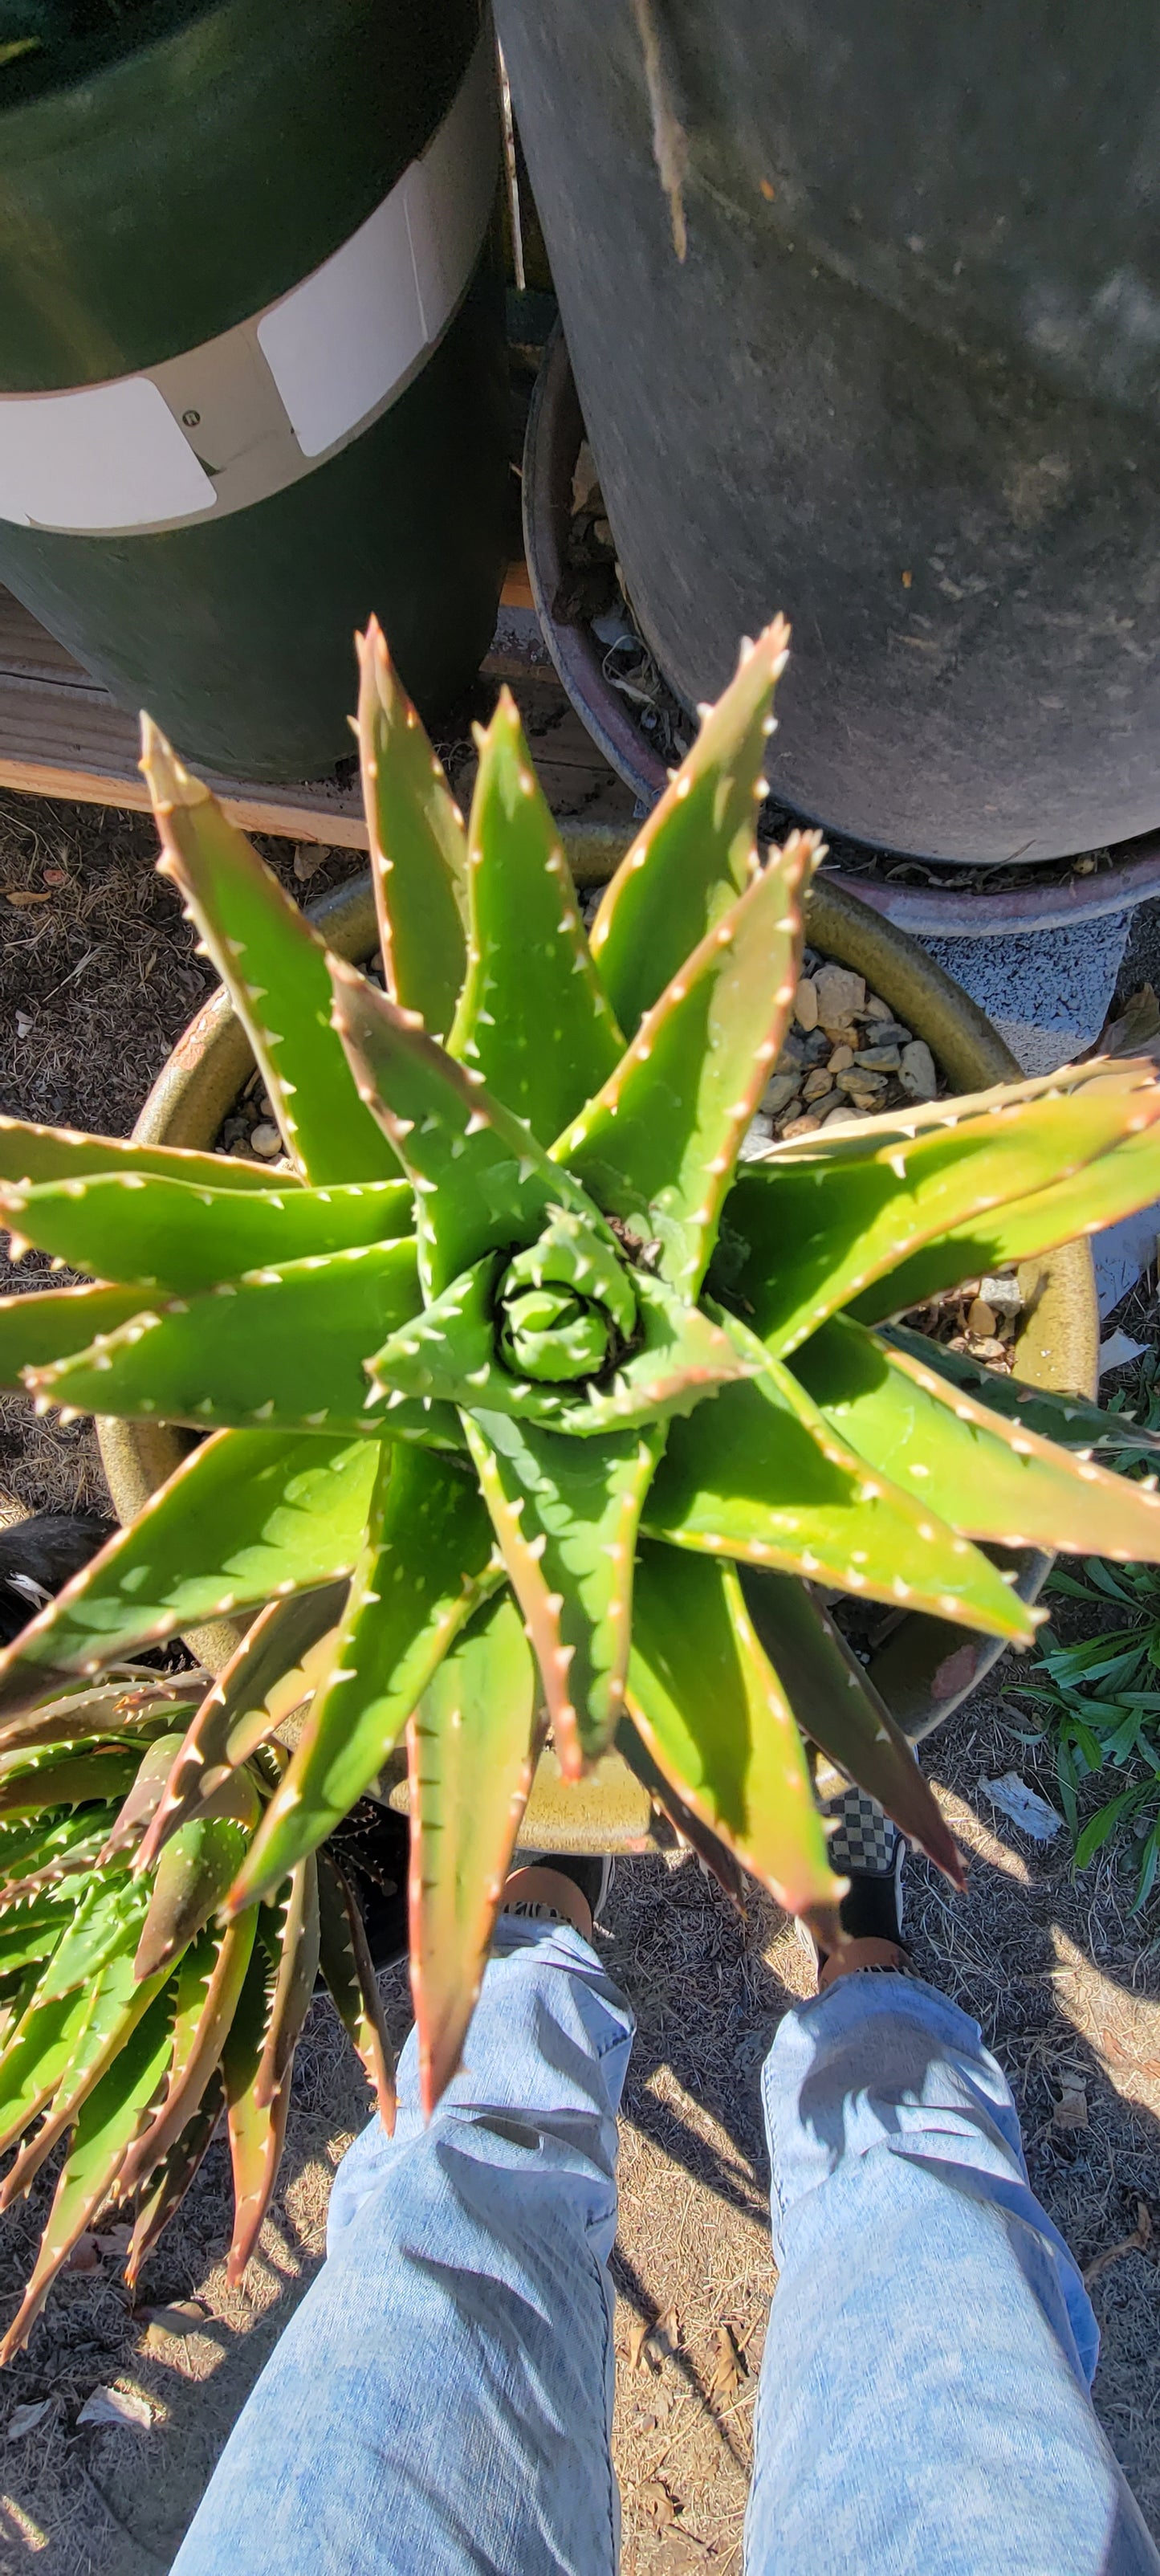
x=836, y=1703
x=31, y=1155
x=263, y=1680
x=165, y=1234
x=566, y=1513
x=346, y=1964
x=275, y=968
x=697, y=850
x=997, y=1478
x=426, y=1562
x=712, y=1712
x=534, y=1018
x=658, y=1145
x=472, y=1747
x=47, y=1324
x=248, y=1515
x=417, y=844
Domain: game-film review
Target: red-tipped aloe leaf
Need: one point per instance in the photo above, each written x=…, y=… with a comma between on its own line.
x=164, y=1234
x=168, y=2188
x=236, y=1714
x=35, y=2056
x=73, y=1779
x=256, y=2129
x=997, y=1478
x=208, y=1985
x=418, y=847
x=1071, y=1419
x=196, y=1867
x=566, y=1513
x=534, y=1018
x=657, y=1146
x=29, y=1155
x=472, y=1746
x=725, y=1866
x=426, y=1560
x=346, y=1964
x=248, y=1515
x=714, y=1716
x=835, y=1702
x=298, y=1953
x=698, y=848
x=118, y=2002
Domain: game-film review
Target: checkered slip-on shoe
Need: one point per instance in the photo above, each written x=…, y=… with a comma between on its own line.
x=865, y=1847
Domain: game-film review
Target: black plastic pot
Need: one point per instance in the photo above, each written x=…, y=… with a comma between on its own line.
x=903, y=385
x=252, y=370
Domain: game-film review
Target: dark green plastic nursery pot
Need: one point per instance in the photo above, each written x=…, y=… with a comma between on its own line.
x=250, y=263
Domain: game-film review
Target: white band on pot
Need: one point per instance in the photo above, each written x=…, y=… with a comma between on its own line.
x=257, y=408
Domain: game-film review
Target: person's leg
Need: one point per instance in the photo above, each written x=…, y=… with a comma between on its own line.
x=923, y=2407
x=440, y=2402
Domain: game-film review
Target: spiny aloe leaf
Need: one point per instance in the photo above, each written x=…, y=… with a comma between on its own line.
x=346, y=1964
x=565, y=1513
x=208, y=1986
x=448, y=1353
x=472, y=1746
x=698, y=848
x=108, y=2122
x=763, y=1476
x=836, y=1703
x=108, y=1918
x=249, y=1514
x=168, y=2188
x=658, y=1144
x=479, y=1175
x=534, y=1018
x=29, y=1155
x=294, y=1985
x=71, y=1781
x=285, y=1347
x=713, y=1714
x=49, y=1323
x=163, y=1234
x=140, y=1807
x=725, y=1866
x=54, y=1848
x=853, y=1213
x=35, y=2056
x=1071, y=1419
x=256, y=2129
x=119, y=2001
x=1114, y=1186
x=30, y=1930
x=275, y=969
x=194, y=1871
x=127, y=1709
x=418, y=847
x=998, y=1478
x=235, y=1715
x=425, y=1565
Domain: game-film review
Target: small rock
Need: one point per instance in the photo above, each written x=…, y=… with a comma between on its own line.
x=179, y=2318
x=805, y=1126
x=878, y=1059
x=805, y=1004
x=844, y=1116
x=266, y=1141
x=1003, y=1296
x=875, y=1008
x=309, y=857
x=981, y=1317
x=778, y=1093
x=792, y=1055
x=839, y=994
x=842, y=1058
x=816, y=1047
x=817, y=1082
x=866, y=1089
x=916, y=1072
x=825, y=1105
x=987, y=1347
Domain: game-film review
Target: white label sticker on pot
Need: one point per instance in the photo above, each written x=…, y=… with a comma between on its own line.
x=102, y=456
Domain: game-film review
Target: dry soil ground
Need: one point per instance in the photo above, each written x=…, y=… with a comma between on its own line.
x=97, y=976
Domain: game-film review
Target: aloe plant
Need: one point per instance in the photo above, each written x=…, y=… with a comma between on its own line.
x=585, y=1421
x=128, y=2017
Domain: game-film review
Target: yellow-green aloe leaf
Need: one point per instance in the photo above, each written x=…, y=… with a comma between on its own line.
x=155, y=1233
x=118, y=2002
x=698, y=848
x=763, y=1476
x=472, y=1748
x=263, y=1681
x=533, y=1018
x=35, y=2055
x=168, y=2188
x=418, y=846
x=29, y=1155
x=1071, y=1419
x=426, y=1565
x=108, y=2122
x=206, y=1993
x=275, y=969
x=195, y=1869
x=836, y=1703
x=565, y=1514
x=248, y=1515
x=46, y=1324
x=346, y=1964
x=998, y=1478
x=713, y=1714
x=298, y=1938
x=658, y=1145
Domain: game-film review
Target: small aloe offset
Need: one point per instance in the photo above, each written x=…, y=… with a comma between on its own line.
x=526, y=1410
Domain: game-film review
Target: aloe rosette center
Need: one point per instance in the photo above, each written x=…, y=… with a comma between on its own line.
x=566, y=1308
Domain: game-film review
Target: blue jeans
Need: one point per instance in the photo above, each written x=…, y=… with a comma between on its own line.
x=439, y=2404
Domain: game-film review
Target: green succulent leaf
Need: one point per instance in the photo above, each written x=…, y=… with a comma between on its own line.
x=35, y=2055
x=418, y=846
x=997, y=1479
x=275, y=969
x=256, y=2128
x=298, y=1953
x=472, y=1748
x=196, y=1867
x=168, y=2188
x=566, y=1514
x=426, y=1565
x=208, y=1988
x=658, y=1145
x=836, y=1703
x=66, y=1777
x=118, y=2002
x=534, y=1018
x=853, y=1210
x=713, y=1714
x=263, y=1680
x=32, y=1155
x=1072, y=1420
x=698, y=848
x=762, y=1475
x=107, y=2124
x=165, y=1234
x=46, y=1324
x=107, y=1921
x=249, y=1515
x=346, y=1964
